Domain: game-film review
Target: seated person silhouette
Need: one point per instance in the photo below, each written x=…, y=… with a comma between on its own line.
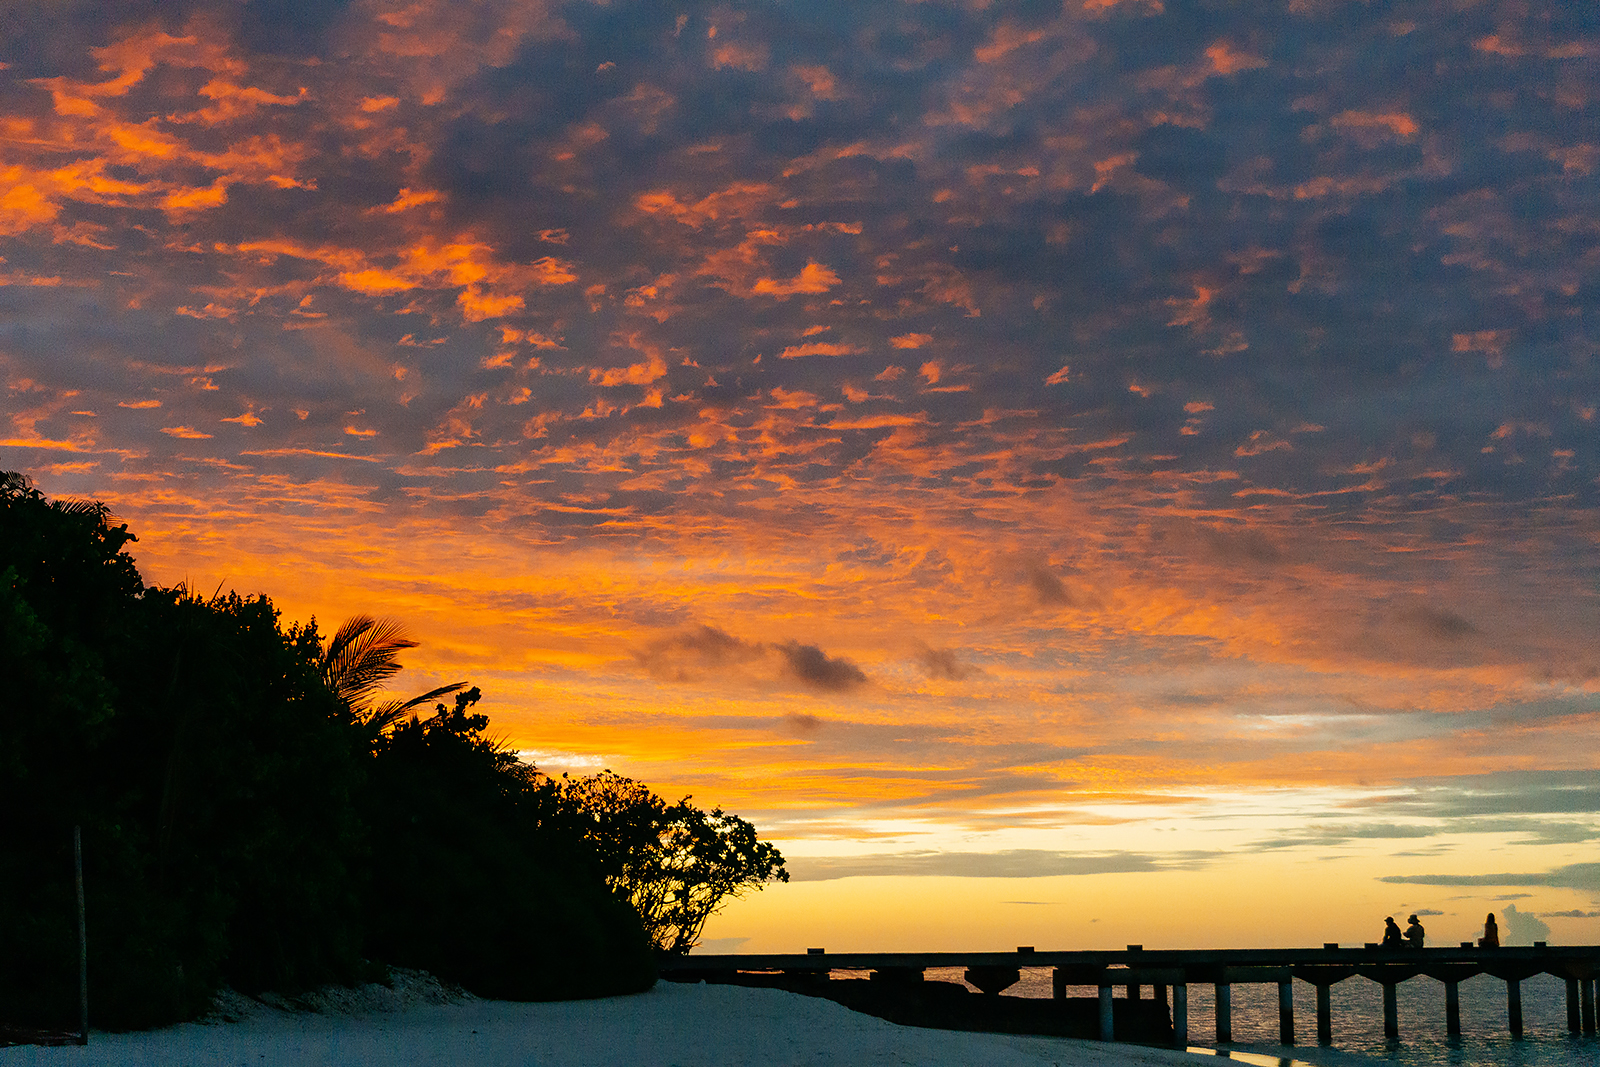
x=1392, y=937
x=1491, y=933
x=1414, y=933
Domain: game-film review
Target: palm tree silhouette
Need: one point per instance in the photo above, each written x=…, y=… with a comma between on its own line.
x=360, y=658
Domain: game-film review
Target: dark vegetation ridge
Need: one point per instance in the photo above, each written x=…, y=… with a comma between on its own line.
x=251, y=817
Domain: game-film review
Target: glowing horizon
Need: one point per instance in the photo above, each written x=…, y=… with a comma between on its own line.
x=1093, y=457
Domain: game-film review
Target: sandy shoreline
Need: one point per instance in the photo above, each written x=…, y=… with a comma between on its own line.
x=672, y=1025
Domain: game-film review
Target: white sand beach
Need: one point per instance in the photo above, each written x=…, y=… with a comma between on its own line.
x=672, y=1025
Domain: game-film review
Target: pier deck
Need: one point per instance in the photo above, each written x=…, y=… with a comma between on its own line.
x=1176, y=969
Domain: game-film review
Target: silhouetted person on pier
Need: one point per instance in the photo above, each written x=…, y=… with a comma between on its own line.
x=1392, y=937
x=1491, y=933
x=1414, y=933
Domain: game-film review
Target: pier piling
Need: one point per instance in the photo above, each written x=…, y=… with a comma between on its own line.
x=1224, y=1002
x=1452, y=1009
x=1588, y=1005
x=1324, y=1014
x=1180, y=1014
x=1286, y=1011
x=1574, y=1008
x=1514, y=1006
x=1108, y=1029
x=1391, y=1012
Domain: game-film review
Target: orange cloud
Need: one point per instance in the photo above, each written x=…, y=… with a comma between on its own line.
x=814, y=278
x=1397, y=123
x=819, y=348
x=1225, y=59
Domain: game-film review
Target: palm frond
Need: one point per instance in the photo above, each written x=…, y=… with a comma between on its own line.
x=390, y=712
x=360, y=658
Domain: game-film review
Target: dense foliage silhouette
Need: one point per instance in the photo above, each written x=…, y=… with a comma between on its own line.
x=249, y=816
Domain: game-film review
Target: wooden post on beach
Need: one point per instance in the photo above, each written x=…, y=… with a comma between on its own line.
x=1108, y=1028
x=1180, y=1014
x=1391, y=1012
x=1514, y=1005
x=1286, y=1011
x=1324, y=1013
x=1224, y=1002
x=1452, y=1008
x=83, y=939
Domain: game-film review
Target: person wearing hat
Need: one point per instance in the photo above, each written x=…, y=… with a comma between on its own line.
x=1414, y=933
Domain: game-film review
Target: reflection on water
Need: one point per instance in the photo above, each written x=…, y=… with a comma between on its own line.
x=1249, y=1057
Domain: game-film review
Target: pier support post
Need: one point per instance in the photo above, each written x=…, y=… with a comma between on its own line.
x=1514, y=1006
x=1133, y=991
x=1286, y=1012
x=1391, y=1012
x=1574, y=1008
x=1224, y=1004
x=1324, y=1014
x=1058, y=984
x=1588, y=1005
x=1108, y=1030
x=1452, y=1008
x=1180, y=1015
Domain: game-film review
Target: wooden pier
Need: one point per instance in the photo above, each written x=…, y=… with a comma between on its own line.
x=1135, y=967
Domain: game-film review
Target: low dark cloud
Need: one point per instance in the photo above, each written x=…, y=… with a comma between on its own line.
x=1009, y=863
x=814, y=668
x=690, y=655
x=803, y=724
x=1498, y=793
x=1584, y=876
x=1441, y=624
x=1571, y=914
x=1327, y=836
x=1050, y=590
x=945, y=664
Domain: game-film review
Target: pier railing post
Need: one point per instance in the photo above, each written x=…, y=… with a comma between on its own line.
x=1324, y=1014
x=1514, y=1006
x=1224, y=1002
x=1108, y=1028
x=1391, y=1012
x=1286, y=1011
x=1452, y=1008
x=1180, y=1015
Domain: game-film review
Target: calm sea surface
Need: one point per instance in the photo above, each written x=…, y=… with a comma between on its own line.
x=1358, y=1023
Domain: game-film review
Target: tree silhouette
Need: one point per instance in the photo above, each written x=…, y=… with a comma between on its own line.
x=675, y=863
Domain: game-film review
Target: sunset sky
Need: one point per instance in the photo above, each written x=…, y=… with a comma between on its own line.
x=1071, y=475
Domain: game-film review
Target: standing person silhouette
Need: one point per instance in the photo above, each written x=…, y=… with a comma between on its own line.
x=1392, y=937
x=1414, y=933
x=1491, y=933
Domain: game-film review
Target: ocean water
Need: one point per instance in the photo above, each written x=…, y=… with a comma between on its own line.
x=1357, y=1018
